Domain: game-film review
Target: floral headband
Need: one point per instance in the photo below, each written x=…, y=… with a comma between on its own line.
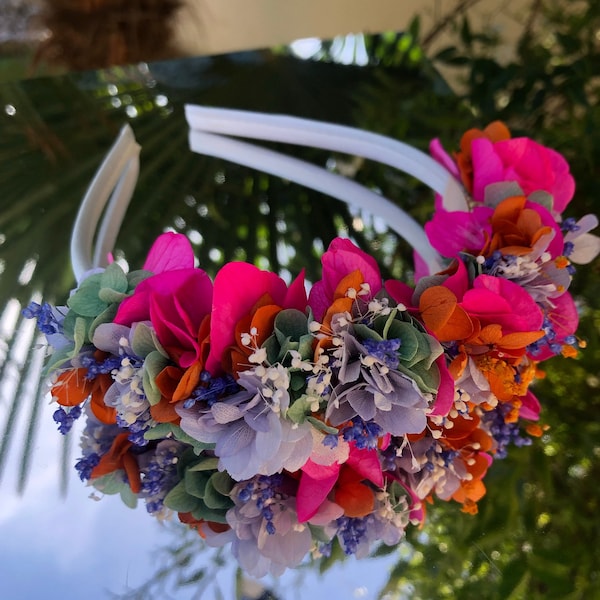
x=286, y=423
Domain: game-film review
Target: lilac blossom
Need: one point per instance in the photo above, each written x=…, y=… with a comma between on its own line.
x=249, y=429
x=370, y=389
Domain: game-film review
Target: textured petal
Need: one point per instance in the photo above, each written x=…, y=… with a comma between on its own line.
x=234, y=439
x=169, y=252
x=441, y=156
x=225, y=413
x=107, y=336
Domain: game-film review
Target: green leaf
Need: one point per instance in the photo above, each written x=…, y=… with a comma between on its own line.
x=208, y=514
x=144, y=341
x=222, y=482
x=112, y=483
x=154, y=363
x=409, y=341
x=180, y=501
x=210, y=463
x=159, y=432
x=85, y=301
x=497, y=192
x=290, y=324
x=110, y=296
x=542, y=198
x=298, y=410
x=128, y=497
x=215, y=500
x=106, y=316
x=195, y=483
x=79, y=335
x=114, y=278
x=319, y=425
x=136, y=277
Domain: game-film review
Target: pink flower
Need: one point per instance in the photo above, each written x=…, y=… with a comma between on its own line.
x=533, y=166
x=494, y=300
x=452, y=232
x=317, y=481
x=342, y=259
x=491, y=156
x=240, y=288
x=175, y=300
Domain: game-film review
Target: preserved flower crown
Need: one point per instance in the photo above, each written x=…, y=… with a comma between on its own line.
x=282, y=422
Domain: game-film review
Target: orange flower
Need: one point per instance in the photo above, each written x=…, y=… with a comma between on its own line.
x=72, y=388
x=261, y=318
x=200, y=525
x=495, y=132
x=515, y=229
x=119, y=457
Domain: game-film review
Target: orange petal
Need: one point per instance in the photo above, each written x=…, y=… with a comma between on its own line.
x=508, y=210
x=490, y=334
x=341, y=305
x=514, y=341
x=263, y=320
x=356, y=499
x=436, y=305
x=188, y=382
x=458, y=364
x=72, y=388
x=497, y=131
x=113, y=459
x=103, y=413
x=133, y=472
x=164, y=412
x=442, y=315
x=353, y=280
x=472, y=491
x=168, y=379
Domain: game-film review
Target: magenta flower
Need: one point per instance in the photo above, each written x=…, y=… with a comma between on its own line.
x=341, y=259
x=175, y=300
x=494, y=300
x=491, y=156
x=452, y=232
x=533, y=166
x=240, y=288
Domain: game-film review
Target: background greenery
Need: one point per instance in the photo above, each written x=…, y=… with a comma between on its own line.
x=537, y=531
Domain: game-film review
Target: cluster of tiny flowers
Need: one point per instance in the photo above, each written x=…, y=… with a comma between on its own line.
x=549, y=340
x=66, y=418
x=264, y=492
x=47, y=322
x=385, y=351
x=364, y=435
x=99, y=367
x=504, y=433
x=160, y=476
x=350, y=532
x=212, y=389
x=96, y=440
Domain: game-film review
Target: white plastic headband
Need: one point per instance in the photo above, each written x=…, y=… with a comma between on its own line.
x=317, y=134
x=120, y=169
x=114, y=183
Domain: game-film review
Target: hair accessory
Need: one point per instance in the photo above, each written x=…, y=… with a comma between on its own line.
x=285, y=423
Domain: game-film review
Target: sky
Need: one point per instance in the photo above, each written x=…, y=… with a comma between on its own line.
x=77, y=547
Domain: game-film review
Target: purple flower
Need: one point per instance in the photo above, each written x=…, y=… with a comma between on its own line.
x=369, y=389
x=250, y=433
